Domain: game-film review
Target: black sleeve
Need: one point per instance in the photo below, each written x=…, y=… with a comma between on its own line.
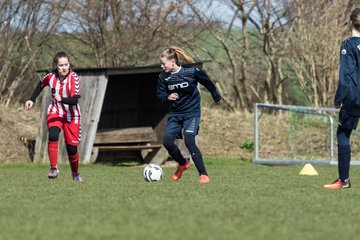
x=36, y=92
x=204, y=79
x=71, y=101
x=347, y=66
x=161, y=90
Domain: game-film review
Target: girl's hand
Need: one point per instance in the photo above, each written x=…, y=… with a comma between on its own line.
x=338, y=106
x=173, y=97
x=57, y=97
x=28, y=104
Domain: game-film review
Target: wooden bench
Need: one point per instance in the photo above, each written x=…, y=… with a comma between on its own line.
x=126, y=139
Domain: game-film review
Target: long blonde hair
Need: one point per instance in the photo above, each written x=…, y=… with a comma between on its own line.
x=178, y=54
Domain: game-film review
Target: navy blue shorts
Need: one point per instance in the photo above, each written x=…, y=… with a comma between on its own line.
x=347, y=121
x=175, y=125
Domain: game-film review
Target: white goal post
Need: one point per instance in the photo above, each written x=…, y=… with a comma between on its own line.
x=323, y=112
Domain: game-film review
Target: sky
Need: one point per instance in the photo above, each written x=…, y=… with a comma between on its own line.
x=219, y=9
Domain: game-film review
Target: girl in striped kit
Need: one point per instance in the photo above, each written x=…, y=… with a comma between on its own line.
x=63, y=112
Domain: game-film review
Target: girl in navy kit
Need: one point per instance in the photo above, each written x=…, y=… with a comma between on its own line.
x=347, y=99
x=178, y=86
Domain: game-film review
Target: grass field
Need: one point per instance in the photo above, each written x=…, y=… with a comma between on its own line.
x=243, y=201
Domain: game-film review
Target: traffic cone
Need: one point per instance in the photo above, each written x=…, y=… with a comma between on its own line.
x=308, y=169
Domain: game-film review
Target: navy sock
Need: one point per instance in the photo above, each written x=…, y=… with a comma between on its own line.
x=344, y=152
x=177, y=156
x=344, y=157
x=195, y=154
x=173, y=150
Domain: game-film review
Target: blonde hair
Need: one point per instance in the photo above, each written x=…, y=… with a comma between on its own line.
x=355, y=18
x=178, y=54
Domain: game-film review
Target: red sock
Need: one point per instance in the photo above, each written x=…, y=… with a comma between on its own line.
x=74, y=163
x=53, y=153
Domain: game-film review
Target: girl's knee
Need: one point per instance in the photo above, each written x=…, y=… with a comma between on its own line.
x=54, y=133
x=190, y=142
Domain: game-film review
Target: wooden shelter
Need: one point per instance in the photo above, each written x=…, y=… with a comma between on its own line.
x=121, y=117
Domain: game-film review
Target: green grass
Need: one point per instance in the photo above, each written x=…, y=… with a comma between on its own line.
x=243, y=201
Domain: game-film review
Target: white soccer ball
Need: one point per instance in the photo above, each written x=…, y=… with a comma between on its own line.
x=152, y=173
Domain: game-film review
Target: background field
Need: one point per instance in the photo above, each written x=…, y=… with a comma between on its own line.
x=243, y=201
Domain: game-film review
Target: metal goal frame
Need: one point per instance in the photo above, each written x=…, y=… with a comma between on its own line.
x=306, y=110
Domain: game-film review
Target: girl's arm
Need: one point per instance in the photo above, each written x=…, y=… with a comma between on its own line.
x=161, y=90
x=70, y=101
x=347, y=67
x=204, y=80
x=36, y=92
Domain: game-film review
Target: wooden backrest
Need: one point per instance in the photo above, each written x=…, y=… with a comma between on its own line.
x=125, y=135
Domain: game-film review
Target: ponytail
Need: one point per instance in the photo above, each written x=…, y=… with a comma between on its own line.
x=178, y=54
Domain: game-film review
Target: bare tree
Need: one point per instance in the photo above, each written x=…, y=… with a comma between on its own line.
x=256, y=49
x=25, y=28
x=271, y=25
x=275, y=40
x=123, y=32
x=254, y=56
x=314, y=41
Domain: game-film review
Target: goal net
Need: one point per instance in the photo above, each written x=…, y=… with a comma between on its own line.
x=286, y=134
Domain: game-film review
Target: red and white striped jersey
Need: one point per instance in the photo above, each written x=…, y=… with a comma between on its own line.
x=66, y=88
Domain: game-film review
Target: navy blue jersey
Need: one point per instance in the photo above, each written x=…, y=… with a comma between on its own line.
x=348, y=91
x=185, y=84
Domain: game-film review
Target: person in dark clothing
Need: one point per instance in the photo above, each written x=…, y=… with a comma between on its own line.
x=347, y=99
x=178, y=86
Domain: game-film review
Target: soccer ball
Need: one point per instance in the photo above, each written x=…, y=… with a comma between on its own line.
x=152, y=173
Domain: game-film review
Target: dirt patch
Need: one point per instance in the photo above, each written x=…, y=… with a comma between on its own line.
x=17, y=127
x=225, y=134
x=221, y=133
